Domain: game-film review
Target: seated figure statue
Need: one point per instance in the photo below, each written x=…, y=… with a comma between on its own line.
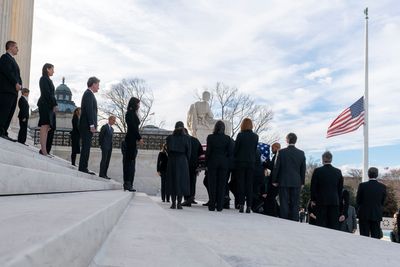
x=200, y=119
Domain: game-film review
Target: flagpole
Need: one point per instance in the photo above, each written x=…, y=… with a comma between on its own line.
x=365, y=152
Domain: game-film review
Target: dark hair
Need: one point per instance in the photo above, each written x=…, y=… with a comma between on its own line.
x=45, y=68
x=91, y=81
x=76, y=111
x=133, y=104
x=246, y=125
x=373, y=173
x=219, y=127
x=24, y=90
x=10, y=44
x=291, y=138
x=327, y=157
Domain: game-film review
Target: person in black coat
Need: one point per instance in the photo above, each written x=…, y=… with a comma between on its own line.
x=131, y=138
x=88, y=122
x=75, y=136
x=106, y=145
x=196, y=152
x=270, y=191
x=10, y=84
x=311, y=213
x=162, y=162
x=245, y=158
x=326, y=193
x=217, y=160
x=178, y=180
x=47, y=104
x=23, y=115
x=289, y=175
x=371, y=197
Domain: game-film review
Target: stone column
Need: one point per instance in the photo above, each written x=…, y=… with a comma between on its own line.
x=16, y=23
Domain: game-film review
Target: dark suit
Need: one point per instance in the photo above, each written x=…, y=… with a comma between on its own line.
x=245, y=159
x=23, y=117
x=9, y=77
x=162, y=163
x=371, y=196
x=196, y=151
x=106, y=145
x=129, y=158
x=289, y=173
x=88, y=118
x=217, y=160
x=270, y=203
x=326, y=192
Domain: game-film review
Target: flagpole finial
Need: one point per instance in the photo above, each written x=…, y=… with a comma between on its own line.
x=366, y=13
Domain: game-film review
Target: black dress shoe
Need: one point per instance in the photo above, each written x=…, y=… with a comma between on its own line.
x=173, y=206
x=193, y=201
x=211, y=209
x=248, y=210
x=8, y=138
x=186, y=204
x=205, y=204
x=90, y=172
x=179, y=206
x=241, y=208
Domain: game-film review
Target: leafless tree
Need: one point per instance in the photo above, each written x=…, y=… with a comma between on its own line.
x=355, y=173
x=120, y=94
x=393, y=174
x=229, y=104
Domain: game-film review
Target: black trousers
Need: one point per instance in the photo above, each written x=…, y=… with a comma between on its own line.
x=193, y=180
x=129, y=168
x=50, y=138
x=270, y=204
x=23, y=129
x=216, y=187
x=164, y=196
x=245, y=189
x=8, y=103
x=86, y=136
x=105, y=161
x=370, y=228
x=328, y=216
x=289, y=199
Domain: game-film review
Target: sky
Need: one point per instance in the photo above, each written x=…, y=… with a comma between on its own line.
x=302, y=59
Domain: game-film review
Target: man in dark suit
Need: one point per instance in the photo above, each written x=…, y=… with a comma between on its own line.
x=326, y=192
x=10, y=84
x=371, y=196
x=106, y=145
x=23, y=115
x=289, y=174
x=196, y=151
x=88, y=122
x=269, y=191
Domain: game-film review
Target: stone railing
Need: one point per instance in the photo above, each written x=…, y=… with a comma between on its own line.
x=152, y=139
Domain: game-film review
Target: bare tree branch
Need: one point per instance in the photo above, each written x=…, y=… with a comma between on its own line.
x=119, y=96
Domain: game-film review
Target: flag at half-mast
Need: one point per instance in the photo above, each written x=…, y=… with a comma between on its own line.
x=349, y=120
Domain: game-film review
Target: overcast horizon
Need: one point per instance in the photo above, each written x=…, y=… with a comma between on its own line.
x=304, y=60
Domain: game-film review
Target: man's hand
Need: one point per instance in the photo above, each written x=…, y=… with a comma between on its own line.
x=342, y=218
x=159, y=173
x=92, y=129
x=24, y=119
x=141, y=142
x=18, y=87
x=275, y=184
x=264, y=195
x=55, y=108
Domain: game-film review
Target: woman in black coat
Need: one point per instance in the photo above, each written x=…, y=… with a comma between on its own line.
x=245, y=158
x=162, y=162
x=75, y=136
x=47, y=104
x=217, y=160
x=178, y=180
x=131, y=138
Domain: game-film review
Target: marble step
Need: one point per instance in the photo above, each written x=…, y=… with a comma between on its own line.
x=20, y=180
x=40, y=162
x=31, y=151
x=147, y=236
x=57, y=229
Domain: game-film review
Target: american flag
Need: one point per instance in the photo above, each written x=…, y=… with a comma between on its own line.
x=264, y=149
x=349, y=120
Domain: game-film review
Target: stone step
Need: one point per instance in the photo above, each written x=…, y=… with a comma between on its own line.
x=40, y=162
x=31, y=151
x=20, y=180
x=57, y=229
x=147, y=236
